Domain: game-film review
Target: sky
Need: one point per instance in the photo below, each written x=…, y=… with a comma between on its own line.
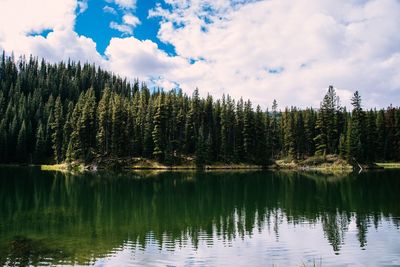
x=261, y=50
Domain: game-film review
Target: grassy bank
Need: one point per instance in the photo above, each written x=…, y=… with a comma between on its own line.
x=316, y=163
x=145, y=164
x=329, y=163
x=64, y=167
x=390, y=165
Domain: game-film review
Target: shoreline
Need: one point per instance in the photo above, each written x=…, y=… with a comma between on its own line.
x=230, y=167
x=149, y=165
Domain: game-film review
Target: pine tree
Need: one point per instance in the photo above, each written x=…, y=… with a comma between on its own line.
x=57, y=130
x=274, y=135
x=148, y=129
x=397, y=135
x=67, y=129
x=104, y=111
x=343, y=146
x=75, y=150
x=223, y=131
x=118, y=126
x=321, y=139
x=3, y=141
x=190, y=129
x=87, y=124
x=260, y=138
x=159, y=128
x=66, y=111
x=22, y=143
x=200, y=149
x=248, y=131
x=357, y=140
x=40, y=151
x=309, y=131
x=370, y=136
x=327, y=140
x=239, y=124
x=289, y=139
x=381, y=135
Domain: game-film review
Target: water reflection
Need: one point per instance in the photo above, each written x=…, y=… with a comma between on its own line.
x=58, y=218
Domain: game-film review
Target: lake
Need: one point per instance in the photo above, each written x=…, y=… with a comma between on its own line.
x=199, y=218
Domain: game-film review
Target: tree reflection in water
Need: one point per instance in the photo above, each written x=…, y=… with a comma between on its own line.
x=76, y=219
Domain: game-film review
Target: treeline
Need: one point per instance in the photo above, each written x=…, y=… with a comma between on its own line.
x=66, y=111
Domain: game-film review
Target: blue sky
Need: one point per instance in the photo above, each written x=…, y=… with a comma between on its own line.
x=255, y=49
x=95, y=21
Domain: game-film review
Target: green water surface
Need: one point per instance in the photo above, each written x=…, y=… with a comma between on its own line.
x=199, y=219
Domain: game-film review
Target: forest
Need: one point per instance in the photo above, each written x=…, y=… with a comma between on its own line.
x=68, y=111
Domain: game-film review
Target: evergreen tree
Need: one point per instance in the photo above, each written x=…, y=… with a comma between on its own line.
x=118, y=126
x=248, y=131
x=22, y=143
x=148, y=130
x=190, y=129
x=357, y=140
x=67, y=129
x=275, y=141
x=87, y=124
x=261, y=154
x=289, y=134
x=327, y=139
x=370, y=136
x=200, y=149
x=321, y=139
x=57, y=130
x=75, y=146
x=381, y=136
x=68, y=111
x=343, y=146
x=397, y=135
x=104, y=111
x=159, y=126
x=40, y=151
x=3, y=141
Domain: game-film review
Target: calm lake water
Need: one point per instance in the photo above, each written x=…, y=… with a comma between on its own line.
x=199, y=219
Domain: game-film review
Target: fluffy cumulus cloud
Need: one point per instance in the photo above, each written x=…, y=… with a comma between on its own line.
x=287, y=50
x=258, y=49
x=129, y=22
x=21, y=34
x=130, y=4
x=143, y=59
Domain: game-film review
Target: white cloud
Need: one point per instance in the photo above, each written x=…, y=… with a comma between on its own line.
x=350, y=44
x=260, y=50
x=130, y=19
x=123, y=28
x=134, y=58
x=82, y=6
x=129, y=22
x=73, y=47
x=111, y=10
x=127, y=4
x=61, y=43
x=21, y=16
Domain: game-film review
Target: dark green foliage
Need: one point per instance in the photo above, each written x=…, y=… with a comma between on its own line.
x=66, y=112
x=328, y=126
x=104, y=111
x=22, y=143
x=200, y=149
x=57, y=130
x=275, y=136
x=40, y=151
x=158, y=133
x=118, y=120
x=357, y=130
